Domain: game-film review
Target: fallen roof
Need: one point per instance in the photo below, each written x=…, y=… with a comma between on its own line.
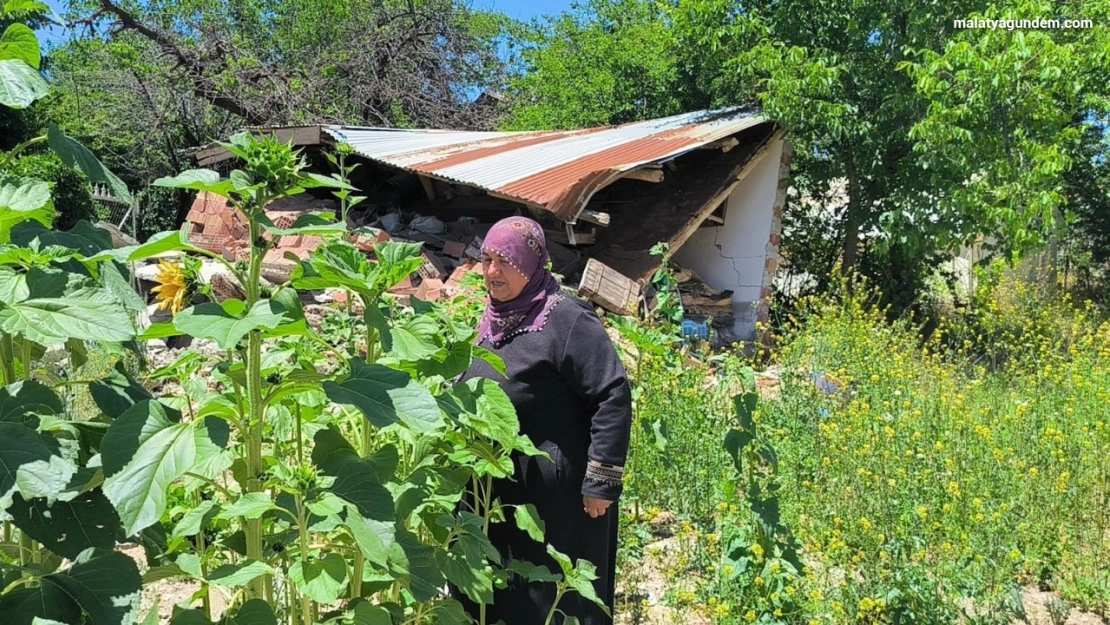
x=558, y=171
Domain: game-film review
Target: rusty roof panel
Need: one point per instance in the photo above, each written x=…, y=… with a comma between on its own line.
x=555, y=170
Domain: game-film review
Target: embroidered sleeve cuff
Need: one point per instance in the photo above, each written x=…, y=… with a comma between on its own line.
x=603, y=481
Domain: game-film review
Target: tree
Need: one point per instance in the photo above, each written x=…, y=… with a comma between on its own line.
x=371, y=62
x=940, y=133
x=603, y=62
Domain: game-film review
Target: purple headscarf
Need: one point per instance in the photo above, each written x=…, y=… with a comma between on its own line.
x=521, y=242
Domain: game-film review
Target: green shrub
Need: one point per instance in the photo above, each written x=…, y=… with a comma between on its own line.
x=72, y=198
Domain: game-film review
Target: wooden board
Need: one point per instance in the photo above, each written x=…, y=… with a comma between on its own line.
x=608, y=288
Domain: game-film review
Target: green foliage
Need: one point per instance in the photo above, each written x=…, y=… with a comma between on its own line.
x=604, y=62
x=930, y=133
x=69, y=189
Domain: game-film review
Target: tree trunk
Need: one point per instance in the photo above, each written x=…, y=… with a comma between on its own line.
x=854, y=219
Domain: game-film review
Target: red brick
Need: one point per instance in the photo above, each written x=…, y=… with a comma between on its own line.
x=430, y=289
x=432, y=267
x=776, y=239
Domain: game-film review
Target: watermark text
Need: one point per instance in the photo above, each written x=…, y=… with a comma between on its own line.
x=1022, y=24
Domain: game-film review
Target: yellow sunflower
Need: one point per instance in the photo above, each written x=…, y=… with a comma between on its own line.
x=171, y=288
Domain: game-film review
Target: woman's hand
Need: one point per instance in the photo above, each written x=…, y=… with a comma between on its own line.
x=595, y=507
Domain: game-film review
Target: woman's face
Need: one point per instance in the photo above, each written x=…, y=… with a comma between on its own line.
x=503, y=281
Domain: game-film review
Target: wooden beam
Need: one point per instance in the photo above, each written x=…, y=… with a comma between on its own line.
x=429, y=187
x=594, y=217
x=647, y=175
x=562, y=237
x=723, y=145
x=715, y=219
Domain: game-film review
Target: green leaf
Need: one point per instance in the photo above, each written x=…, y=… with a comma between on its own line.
x=116, y=283
x=331, y=451
x=143, y=453
x=20, y=400
x=116, y=393
x=492, y=359
x=24, y=202
x=312, y=223
x=19, y=42
x=316, y=180
x=99, y=589
x=359, y=484
x=413, y=560
x=745, y=404
x=528, y=519
x=195, y=520
x=172, y=241
x=253, y=612
x=32, y=463
x=323, y=580
x=473, y=582
x=250, y=506
x=78, y=353
x=83, y=237
x=374, y=538
x=20, y=84
x=239, y=575
x=735, y=442
x=68, y=527
x=79, y=157
x=533, y=572
x=197, y=180
x=366, y=614
x=220, y=323
x=21, y=9
x=397, y=261
x=161, y=330
x=415, y=339
x=483, y=406
x=87, y=313
x=387, y=396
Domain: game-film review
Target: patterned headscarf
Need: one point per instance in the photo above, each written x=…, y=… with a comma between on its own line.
x=521, y=242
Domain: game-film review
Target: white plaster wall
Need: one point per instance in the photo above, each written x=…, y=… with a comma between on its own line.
x=732, y=256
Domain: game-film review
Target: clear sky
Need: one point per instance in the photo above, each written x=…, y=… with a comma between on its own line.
x=523, y=9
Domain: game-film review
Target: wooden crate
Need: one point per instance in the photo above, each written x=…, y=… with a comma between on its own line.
x=608, y=288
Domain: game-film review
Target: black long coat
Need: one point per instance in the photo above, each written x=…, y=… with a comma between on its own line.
x=573, y=401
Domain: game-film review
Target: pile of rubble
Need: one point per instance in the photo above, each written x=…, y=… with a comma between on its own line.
x=451, y=249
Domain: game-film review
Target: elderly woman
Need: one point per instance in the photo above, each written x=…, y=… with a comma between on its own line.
x=573, y=400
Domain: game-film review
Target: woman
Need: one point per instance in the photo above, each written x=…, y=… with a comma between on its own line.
x=573, y=401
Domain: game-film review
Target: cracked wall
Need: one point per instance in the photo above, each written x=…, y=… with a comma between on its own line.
x=736, y=256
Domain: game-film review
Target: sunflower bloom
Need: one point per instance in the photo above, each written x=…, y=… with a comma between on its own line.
x=170, y=292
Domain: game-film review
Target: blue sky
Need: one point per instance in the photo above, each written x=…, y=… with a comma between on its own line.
x=520, y=9
x=524, y=9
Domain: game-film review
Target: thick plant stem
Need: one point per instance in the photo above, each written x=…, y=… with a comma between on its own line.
x=302, y=530
x=255, y=421
x=554, y=607
x=7, y=359
x=26, y=548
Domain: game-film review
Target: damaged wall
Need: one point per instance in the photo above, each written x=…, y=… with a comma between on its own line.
x=736, y=256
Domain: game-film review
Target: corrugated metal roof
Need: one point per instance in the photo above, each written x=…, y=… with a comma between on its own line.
x=555, y=170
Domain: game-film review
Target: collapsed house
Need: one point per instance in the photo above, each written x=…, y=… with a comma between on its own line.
x=710, y=184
